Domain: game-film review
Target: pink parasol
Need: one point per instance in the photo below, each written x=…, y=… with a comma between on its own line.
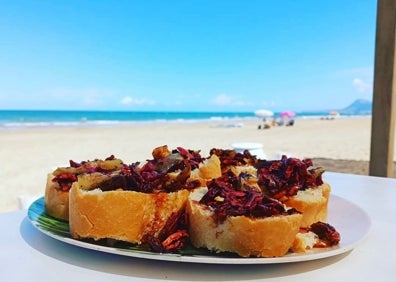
x=287, y=114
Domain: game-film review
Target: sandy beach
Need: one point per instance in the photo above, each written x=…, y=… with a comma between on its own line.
x=29, y=154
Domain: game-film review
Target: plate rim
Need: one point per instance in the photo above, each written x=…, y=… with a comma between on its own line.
x=211, y=259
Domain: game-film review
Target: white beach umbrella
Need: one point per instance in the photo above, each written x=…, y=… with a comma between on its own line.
x=264, y=113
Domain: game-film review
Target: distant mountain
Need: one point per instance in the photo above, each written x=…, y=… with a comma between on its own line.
x=358, y=107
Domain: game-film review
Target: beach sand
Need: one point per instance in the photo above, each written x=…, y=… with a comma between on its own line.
x=340, y=145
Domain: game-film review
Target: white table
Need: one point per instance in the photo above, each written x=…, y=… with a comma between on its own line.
x=28, y=255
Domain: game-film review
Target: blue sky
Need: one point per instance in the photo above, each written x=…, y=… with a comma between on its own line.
x=186, y=55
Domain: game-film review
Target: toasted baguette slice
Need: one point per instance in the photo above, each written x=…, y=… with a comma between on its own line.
x=121, y=215
x=56, y=200
x=257, y=237
x=312, y=203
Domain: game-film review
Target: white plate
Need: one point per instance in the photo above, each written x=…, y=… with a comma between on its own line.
x=349, y=219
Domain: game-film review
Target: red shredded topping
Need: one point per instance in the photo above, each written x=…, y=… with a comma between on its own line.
x=233, y=158
x=65, y=180
x=225, y=200
x=173, y=236
x=155, y=174
x=327, y=234
x=287, y=176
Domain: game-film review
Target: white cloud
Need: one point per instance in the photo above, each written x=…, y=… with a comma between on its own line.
x=128, y=100
x=361, y=86
x=222, y=100
x=175, y=102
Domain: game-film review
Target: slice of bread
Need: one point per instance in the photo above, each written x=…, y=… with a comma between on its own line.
x=258, y=237
x=122, y=215
x=312, y=203
x=56, y=200
x=89, y=172
x=297, y=184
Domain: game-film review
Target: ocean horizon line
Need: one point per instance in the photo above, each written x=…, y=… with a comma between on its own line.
x=14, y=119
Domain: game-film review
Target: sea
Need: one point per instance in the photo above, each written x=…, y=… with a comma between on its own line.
x=14, y=119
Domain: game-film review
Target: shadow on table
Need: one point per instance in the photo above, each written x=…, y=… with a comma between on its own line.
x=152, y=269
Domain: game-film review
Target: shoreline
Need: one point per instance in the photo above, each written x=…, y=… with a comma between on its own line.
x=111, y=123
x=10, y=125
x=30, y=154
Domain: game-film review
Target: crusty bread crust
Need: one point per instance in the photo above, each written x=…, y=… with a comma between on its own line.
x=56, y=200
x=312, y=203
x=121, y=215
x=257, y=237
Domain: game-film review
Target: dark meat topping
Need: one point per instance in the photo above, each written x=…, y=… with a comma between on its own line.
x=168, y=173
x=76, y=164
x=66, y=176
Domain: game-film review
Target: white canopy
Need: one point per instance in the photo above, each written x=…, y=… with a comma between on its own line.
x=264, y=113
